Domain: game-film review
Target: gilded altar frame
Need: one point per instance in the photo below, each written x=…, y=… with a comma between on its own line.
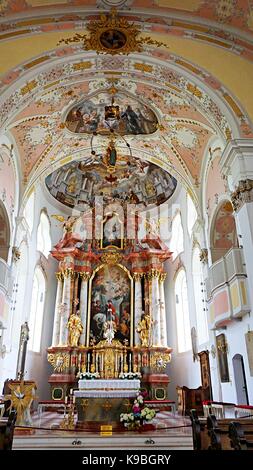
x=101, y=266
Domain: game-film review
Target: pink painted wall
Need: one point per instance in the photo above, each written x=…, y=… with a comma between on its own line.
x=215, y=184
x=3, y=308
x=221, y=303
x=224, y=234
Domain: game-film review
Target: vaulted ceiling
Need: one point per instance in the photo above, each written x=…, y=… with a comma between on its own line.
x=195, y=71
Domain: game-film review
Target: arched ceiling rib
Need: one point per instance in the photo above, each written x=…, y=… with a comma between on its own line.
x=235, y=15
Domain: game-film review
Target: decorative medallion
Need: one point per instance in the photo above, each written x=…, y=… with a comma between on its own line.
x=112, y=35
x=59, y=361
x=159, y=360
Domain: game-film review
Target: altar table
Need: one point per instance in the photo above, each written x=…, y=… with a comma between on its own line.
x=102, y=401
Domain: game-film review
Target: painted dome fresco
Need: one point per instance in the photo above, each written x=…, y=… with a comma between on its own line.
x=101, y=113
x=77, y=183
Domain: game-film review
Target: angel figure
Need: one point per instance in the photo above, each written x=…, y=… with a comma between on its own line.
x=153, y=238
x=69, y=239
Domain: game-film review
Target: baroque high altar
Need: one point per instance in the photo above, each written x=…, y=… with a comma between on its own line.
x=109, y=314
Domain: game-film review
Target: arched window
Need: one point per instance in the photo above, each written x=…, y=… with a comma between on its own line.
x=4, y=233
x=198, y=283
x=29, y=211
x=43, y=235
x=192, y=214
x=182, y=313
x=177, y=237
x=37, y=310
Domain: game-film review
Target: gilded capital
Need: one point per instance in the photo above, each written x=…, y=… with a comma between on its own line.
x=162, y=277
x=137, y=276
x=59, y=275
x=69, y=272
x=84, y=276
x=153, y=273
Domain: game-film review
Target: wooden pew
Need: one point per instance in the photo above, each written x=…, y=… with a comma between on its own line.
x=241, y=435
x=201, y=440
x=212, y=434
x=7, y=426
x=218, y=433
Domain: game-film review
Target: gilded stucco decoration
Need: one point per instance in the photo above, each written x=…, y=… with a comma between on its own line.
x=112, y=34
x=60, y=361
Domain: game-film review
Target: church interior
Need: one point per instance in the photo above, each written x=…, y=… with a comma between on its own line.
x=126, y=224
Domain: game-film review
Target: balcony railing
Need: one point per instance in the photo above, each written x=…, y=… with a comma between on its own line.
x=225, y=269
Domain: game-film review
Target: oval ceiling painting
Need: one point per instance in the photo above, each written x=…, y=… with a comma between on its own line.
x=76, y=184
x=103, y=114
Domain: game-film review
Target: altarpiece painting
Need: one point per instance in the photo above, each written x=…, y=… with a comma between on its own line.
x=111, y=300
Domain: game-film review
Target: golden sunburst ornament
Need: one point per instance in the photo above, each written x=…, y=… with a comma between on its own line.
x=112, y=35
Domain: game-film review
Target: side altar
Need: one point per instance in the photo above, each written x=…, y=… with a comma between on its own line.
x=109, y=317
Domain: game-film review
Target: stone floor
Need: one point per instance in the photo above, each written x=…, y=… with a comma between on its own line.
x=171, y=432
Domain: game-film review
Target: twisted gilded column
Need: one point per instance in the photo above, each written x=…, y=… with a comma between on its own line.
x=66, y=306
x=137, y=305
x=57, y=311
x=163, y=340
x=83, y=304
x=153, y=276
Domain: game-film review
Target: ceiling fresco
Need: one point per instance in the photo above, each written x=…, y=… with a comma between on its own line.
x=42, y=126
x=172, y=100
x=130, y=180
x=111, y=111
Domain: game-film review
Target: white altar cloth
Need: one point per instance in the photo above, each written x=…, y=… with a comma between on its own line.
x=105, y=388
x=105, y=393
x=109, y=384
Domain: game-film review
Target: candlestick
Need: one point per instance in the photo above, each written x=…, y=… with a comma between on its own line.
x=130, y=362
x=102, y=364
x=66, y=400
x=74, y=399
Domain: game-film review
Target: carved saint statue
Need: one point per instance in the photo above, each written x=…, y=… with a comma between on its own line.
x=143, y=328
x=111, y=155
x=75, y=328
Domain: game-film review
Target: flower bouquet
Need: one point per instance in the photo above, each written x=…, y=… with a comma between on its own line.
x=88, y=375
x=139, y=415
x=130, y=375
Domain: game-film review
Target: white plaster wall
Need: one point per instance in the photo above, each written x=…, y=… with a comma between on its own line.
x=182, y=370
x=235, y=336
x=37, y=367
